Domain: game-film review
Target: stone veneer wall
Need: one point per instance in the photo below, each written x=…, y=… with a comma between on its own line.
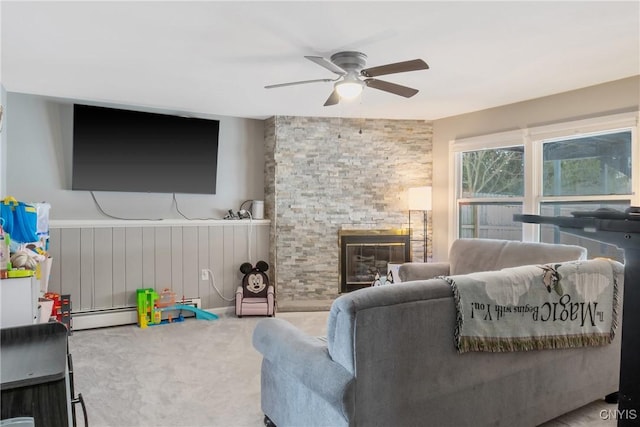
x=323, y=175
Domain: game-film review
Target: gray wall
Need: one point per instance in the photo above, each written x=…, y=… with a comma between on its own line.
x=38, y=166
x=609, y=98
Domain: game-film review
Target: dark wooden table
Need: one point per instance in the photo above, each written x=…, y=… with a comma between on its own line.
x=625, y=234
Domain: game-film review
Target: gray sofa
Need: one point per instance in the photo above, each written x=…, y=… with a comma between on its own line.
x=389, y=359
x=473, y=255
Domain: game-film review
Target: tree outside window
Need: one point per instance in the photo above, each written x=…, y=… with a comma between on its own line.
x=488, y=175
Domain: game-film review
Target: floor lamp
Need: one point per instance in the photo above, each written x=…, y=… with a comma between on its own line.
x=420, y=200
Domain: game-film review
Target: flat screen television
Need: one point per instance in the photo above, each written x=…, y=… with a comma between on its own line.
x=133, y=151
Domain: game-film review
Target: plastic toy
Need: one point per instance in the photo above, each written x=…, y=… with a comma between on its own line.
x=61, y=308
x=151, y=305
x=200, y=314
x=146, y=300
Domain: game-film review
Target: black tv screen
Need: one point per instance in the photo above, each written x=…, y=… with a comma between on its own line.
x=132, y=151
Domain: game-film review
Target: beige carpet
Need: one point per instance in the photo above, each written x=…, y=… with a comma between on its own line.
x=194, y=373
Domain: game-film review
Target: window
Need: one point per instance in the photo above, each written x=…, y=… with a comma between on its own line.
x=551, y=234
x=490, y=187
x=490, y=220
x=493, y=173
x=488, y=178
x=551, y=171
x=590, y=165
x=589, y=172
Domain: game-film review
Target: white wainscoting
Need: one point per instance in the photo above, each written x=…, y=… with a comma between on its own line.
x=102, y=263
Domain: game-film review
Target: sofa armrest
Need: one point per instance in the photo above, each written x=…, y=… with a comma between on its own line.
x=302, y=356
x=410, y=271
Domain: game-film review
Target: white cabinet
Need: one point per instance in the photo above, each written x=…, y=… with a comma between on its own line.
x=19, y=300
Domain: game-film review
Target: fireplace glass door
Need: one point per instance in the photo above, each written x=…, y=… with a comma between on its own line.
x=362, y=256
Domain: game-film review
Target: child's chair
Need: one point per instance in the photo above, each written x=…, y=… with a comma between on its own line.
x=255, y=297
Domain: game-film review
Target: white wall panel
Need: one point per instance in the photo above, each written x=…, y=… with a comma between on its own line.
x=134, y=256
x=70, y=257
x=102, y=263
x=148, y=258
x=190, y=271
x=119, y=266
x=216, y=265
x=162, y=261
x=87, y=270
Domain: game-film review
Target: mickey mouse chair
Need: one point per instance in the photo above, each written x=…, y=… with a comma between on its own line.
x=255, y=297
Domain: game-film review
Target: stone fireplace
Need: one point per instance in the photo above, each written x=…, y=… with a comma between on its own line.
x=363, y=253
x=323, y=175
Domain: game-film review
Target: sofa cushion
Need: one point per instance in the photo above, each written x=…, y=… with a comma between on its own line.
x=472, y=255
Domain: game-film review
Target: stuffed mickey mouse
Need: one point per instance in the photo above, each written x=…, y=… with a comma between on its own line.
x=255, y=281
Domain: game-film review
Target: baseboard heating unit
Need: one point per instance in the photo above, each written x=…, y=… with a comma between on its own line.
x=118, y=316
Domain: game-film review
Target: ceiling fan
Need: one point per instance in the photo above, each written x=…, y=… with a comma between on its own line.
x=349, y=66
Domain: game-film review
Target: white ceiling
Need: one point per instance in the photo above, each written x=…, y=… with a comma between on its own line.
x=213, y=57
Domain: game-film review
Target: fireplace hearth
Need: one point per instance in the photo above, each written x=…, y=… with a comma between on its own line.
x=363, y=253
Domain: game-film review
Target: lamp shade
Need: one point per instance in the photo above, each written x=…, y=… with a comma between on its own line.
x=420, y=199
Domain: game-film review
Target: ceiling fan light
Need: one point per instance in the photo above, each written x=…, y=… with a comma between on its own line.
x=349, y=89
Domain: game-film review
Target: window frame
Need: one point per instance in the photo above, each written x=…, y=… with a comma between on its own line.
x=532, y=140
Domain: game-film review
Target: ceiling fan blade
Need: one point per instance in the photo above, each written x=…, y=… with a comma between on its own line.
x=298, y=83
x=398, y=67
x=333, y=99
x=324, y=62
x=405, y=91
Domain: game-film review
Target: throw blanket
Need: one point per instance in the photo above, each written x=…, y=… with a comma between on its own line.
x=535, y=307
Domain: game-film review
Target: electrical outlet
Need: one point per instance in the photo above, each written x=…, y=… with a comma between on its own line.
x=204, y=274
